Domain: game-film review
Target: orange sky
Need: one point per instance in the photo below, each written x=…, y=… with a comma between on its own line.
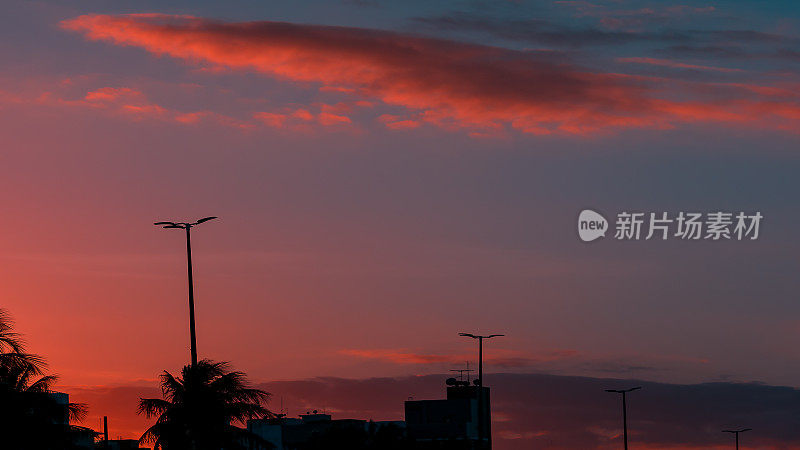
x=388, y=177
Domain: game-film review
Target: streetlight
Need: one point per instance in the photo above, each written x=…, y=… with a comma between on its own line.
x=624, y=412
x=736, y=432
x=480, y=380
x=187, y=226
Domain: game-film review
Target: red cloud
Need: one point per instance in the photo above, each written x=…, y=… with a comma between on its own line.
x=453, y=85
x=117, y=101
x=272, y=119
x=333, y=119
x=507, y=359
x=398, y=122
x=298, y=119
x=110, y=94
x=303, y=114
x=399, y=356
x=675, y=64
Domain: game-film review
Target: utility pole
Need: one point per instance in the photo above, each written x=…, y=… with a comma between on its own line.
x=105, y=432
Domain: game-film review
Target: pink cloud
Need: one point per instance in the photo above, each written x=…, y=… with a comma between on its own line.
x=111, y=94
x=303, y=114
x=482, y=90
x=505, y=359
x=395, y=122
x=675, y=64
x=449, y=84
x=399, y=356
x=119, y=101
x=271, y=119
x=329, y=119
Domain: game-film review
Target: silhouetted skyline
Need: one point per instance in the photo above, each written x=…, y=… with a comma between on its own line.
x=392, y=173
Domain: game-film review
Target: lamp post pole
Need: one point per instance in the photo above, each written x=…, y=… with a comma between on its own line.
x=480, y=382
x=624, y=412
x=736, y=433
x=192, y=333
x=188, y=226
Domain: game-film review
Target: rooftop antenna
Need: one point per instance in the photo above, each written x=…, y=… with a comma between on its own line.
x=461, y=372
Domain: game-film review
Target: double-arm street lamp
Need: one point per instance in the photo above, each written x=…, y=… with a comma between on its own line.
x=736, y=432
x=624, y=412
x=188, y=226
x=480, y=351
x=480, y=380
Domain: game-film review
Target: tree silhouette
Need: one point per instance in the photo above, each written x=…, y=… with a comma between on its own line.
x=200, y=408
x=31, y=417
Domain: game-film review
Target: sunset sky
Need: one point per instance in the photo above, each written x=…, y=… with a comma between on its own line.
x=388, y=174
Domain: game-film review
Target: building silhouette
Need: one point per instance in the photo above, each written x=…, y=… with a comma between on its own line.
x=80, y=437
x=445, y=424
x=118, y=444
x=318, y=430
x=452, y=422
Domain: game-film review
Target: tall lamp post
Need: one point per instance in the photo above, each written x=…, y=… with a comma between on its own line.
x=624, y=412
x=736, y=432
x=188, y=226
x=480, y=380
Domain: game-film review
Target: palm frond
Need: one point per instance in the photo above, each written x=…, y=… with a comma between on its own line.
x=151, y=407
x=77, y=411
x=242, y=411
x=170, y=386
x=8, y=338
x=150, y=436
x=43, y=384
x=22, y=361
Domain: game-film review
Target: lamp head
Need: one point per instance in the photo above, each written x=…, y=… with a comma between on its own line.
x=204, y=219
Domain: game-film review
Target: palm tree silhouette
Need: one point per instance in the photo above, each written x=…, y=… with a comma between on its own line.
x=200, y=408
x=12, y=349
x=9, y=340
x=31, y=417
